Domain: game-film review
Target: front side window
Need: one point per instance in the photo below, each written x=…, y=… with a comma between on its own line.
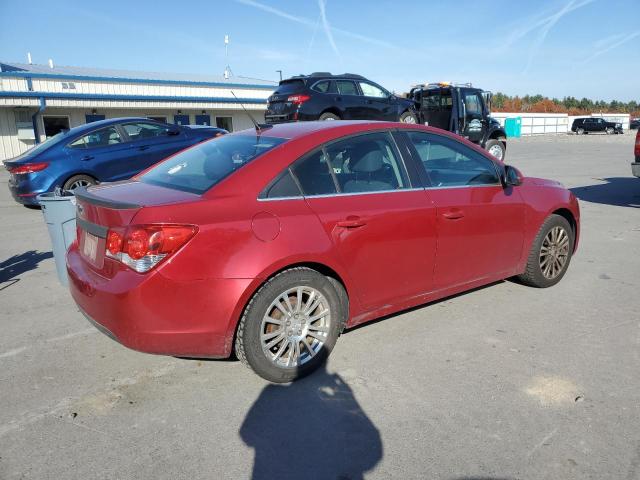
x=473, y=105
x=141, y=130
x=98, y=138
x=369, y=90
x=365, y=163
x=346, y=87
x=448, y=163
x=199, y=168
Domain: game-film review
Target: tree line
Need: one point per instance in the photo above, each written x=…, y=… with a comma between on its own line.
x=571, y=105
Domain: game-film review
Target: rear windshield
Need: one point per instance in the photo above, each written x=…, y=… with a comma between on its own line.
x=293, y=86
x=199, y=168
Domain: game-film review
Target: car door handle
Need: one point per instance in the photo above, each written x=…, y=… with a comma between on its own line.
x=453, y=214
x=87, y=157
x=338, y=99
x=143, y=147
x=351, y=221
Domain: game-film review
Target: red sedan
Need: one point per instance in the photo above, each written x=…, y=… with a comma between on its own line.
x=270, y=242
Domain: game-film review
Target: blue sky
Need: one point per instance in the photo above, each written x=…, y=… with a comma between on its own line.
x=556, y=48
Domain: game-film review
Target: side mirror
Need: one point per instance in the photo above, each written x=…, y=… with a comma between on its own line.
x=512, y=176
x=173, y=130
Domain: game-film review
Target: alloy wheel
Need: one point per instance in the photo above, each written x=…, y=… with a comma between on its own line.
x=496, y=151
x=295, y=327
x=554, y=252
x=79, y=183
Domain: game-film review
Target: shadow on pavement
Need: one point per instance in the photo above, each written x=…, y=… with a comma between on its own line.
x=313, y=428
x=618, y=191
x=19, y=264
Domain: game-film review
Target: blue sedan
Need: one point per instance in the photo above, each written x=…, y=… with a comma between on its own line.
x=104, y=151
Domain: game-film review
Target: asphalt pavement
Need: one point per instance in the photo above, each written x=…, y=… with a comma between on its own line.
x=504, y=382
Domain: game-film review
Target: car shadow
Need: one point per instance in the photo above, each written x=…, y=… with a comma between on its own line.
x=311, y=428
x=14, y=266
x=617, y=191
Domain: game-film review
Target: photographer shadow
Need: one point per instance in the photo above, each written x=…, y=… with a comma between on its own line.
x=313, y=428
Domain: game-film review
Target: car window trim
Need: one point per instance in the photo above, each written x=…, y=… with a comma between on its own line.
x=424, y=172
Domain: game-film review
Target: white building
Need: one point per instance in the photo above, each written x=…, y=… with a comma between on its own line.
x=37, y=101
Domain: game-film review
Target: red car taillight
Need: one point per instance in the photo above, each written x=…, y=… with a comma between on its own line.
x=298, y=99
x=637, y=149
x=27, y=168
x=142, y=247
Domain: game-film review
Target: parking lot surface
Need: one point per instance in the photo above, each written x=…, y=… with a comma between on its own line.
x=505, y=382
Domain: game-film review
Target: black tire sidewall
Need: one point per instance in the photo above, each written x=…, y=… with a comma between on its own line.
x=75, y=178
x=539, y=279
x=258, y=306
x=326, y=115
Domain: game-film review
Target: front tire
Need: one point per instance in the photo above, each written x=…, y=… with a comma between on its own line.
x=329, y=116
x=609, y=131
x=495, y=148
x=550, y=253
x=290, y=326
x=580, y=131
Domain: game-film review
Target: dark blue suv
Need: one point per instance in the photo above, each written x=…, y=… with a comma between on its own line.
x=103, y=151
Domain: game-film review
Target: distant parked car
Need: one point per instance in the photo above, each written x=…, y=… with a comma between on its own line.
x=634, y=123
x=594, y=124
x=635, y=166
x=103, y=151
x=323, y=96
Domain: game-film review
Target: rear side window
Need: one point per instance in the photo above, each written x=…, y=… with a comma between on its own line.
x=199, y=168
x=323, y=87
x=450, y=164
x=346, y=87
x=365, y=163
x=283, y=187
x=291, y=86
x=98, y=138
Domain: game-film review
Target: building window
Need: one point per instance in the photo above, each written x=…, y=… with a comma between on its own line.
x=54, y=125
x=225, y=122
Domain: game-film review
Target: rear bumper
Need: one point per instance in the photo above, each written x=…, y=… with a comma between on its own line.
x=155, y=313
x=635, y=168
x=24, y=189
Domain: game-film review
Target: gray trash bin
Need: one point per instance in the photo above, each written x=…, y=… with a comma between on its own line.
x=59, y=210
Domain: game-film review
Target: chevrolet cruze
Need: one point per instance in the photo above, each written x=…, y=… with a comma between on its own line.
x=269, y=242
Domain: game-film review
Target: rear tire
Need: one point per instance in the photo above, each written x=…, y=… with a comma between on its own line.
x=79, y=181
x=579, y=131
x=550, y=253
x=495, y=148
x=329, y=116
x=282, y=336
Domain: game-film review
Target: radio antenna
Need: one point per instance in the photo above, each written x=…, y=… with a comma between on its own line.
x=258, y=126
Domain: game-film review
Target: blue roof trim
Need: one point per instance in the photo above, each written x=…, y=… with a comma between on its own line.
x=135, y=80
x=136, y=98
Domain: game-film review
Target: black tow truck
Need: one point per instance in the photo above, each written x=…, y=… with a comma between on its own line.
x=461, y=109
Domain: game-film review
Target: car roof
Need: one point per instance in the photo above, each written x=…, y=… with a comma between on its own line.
x=105, y=123
x=338, y=128
x=321, y=75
